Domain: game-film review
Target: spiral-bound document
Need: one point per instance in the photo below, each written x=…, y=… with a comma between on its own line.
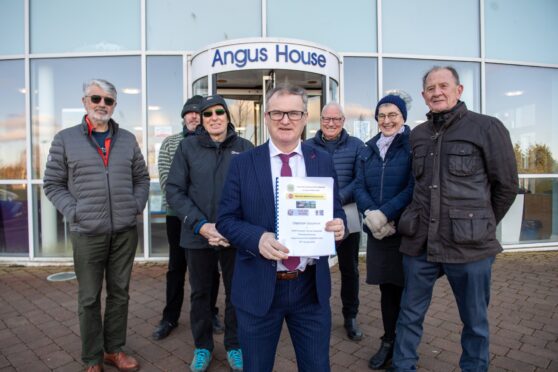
x=304, y=205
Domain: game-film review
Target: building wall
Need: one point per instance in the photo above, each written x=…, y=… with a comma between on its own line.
x=504, y=51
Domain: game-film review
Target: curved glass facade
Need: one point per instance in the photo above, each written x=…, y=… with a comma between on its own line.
x=501, y=48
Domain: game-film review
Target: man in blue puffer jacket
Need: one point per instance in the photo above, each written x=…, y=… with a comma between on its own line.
x=334, y=139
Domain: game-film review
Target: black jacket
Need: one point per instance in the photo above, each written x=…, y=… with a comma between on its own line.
x=465, y=182
x=196, y=179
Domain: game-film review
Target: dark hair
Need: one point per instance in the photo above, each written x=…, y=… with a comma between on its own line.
x=438, y=68
x=290, y=90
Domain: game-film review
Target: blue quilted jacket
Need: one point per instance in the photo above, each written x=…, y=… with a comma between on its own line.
x=344, y=161
x=385, y=184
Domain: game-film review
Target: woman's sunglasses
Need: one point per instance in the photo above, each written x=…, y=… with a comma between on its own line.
x=208, y=114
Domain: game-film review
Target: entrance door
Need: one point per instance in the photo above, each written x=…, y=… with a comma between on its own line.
x=245, y=94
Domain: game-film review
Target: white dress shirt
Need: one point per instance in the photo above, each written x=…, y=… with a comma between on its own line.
x=298, y=169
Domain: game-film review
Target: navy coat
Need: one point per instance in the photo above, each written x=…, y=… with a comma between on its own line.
x=385, y=184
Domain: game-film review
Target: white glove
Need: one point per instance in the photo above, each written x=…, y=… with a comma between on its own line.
x=387, y=230
x=375, y=220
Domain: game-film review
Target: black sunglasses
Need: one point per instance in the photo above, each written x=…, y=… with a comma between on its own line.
x=109, y=101
x=208, y=114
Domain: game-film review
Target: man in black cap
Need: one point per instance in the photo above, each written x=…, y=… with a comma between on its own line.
x=194, y=187
x=190, y=115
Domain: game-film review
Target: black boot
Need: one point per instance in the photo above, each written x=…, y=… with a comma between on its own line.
x=353, y=332
x=383, y=356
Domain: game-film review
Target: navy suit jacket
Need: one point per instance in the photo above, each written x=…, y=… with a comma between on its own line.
x=247, y=210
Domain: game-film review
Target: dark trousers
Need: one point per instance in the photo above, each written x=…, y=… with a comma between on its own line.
x=347, y=256
x=201, y=263
x=296, y=303
x=390, y=304
x=470, y=283
x=98, y=257
x=177, y=272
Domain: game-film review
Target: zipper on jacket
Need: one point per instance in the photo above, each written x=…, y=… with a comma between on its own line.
x=382, y=181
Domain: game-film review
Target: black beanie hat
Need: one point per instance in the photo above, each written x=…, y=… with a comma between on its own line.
x=192, y=105
x=214, y=100
x=395, y=100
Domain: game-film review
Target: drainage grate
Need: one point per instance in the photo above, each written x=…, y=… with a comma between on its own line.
x=61, y=277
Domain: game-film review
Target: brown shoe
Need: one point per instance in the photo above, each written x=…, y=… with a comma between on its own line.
x=123, y=362
x=95, y=368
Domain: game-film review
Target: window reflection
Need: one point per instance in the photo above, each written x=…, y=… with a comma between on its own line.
x=460, y=21
x=164, y=104
x=65, y=26
x=12, y=120
x=360, y=96
x=56, y=86
x=525, y=99
x=533, y=217
x=336, y=24
x=407, y=75
x=12, y=27
x=13, y=221
x=190, y=25
x=519, y=30
x=52, y=231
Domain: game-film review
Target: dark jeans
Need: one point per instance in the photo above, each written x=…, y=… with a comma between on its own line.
x=176, y=274
x=470, y=283
x=390, y=303
x=347, y=256
x=98, y=257
x=201, y=263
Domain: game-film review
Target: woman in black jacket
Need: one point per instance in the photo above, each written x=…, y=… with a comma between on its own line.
x=383, y=189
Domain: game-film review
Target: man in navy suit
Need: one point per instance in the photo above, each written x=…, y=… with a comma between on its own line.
x=267, y=289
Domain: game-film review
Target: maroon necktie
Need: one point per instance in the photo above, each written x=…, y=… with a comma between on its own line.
x=290, y=263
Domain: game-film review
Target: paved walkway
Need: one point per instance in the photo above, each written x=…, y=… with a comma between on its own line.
x=39, y=327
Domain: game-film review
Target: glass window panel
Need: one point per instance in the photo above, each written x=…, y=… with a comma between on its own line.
x=77, y=26
x=12, y=27
x=521, y=30
x=407, y=75
x=52, y=231
x=200, y=87
x=14, y=235
x=56, y=86
x=191, y=25
x=164, y=104
x=449, y=27
x=335, y=24
x=333, y=90
x=12, y=120
x=533, y=218
x=525, y=99
x=360, y=96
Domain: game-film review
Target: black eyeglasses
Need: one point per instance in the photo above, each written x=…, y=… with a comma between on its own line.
x=218, y=112
x=390, y=116
x=327, y=120
x=109, y=101
x=279, y=115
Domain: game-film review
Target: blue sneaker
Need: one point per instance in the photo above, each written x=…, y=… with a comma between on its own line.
x=234, y=357
x=202, y=358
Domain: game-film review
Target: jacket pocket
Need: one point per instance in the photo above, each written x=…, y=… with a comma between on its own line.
x=463, y=160
x=409, y=222
x=469, y=226
x=419, y=157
